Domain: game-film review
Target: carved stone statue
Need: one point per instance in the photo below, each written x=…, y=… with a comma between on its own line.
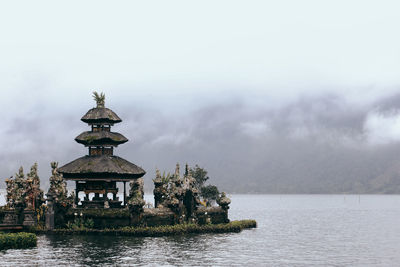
x=23, y=194
x=58, y=186
x=36, y=194
x=178, y=194
x=20, y=185
x=136, y=195
x=161, y=184
x=224, y=201
x=100, y=99
x=10, y=193
x=177, y=175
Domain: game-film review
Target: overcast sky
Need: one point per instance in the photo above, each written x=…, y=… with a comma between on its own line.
x=190, y=75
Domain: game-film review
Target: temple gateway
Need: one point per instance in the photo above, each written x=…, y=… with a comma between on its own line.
x=100, y=170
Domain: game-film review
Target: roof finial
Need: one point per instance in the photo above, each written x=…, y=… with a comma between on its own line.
x=99, y=98
x=186, y=170
x=177, y=171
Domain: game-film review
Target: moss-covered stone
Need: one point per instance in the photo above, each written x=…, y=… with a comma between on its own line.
x=168, y=230
x=99, y=213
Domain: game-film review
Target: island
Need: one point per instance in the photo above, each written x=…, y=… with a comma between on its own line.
x=98, y=176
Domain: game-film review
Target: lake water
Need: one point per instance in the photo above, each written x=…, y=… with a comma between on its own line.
x=293, y=230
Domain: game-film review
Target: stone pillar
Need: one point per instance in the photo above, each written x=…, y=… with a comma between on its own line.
x=50, y=212
x=223, y=201
x=124, y=193
x=105, y=197
x=105, y=191
x=76, y=193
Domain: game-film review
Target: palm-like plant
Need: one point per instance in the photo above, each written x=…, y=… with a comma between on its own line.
x=99, y=98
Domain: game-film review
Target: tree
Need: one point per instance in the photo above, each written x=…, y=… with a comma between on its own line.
x=210, y=193
x=200, y=175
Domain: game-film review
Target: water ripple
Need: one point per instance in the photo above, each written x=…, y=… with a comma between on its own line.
x=311, y=230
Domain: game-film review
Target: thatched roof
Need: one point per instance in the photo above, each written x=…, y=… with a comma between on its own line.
x=100, y=138
x=101, y=168
x=98, y=115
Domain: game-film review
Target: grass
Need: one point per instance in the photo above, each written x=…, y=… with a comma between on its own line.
x=167, y=230
x=17, y=240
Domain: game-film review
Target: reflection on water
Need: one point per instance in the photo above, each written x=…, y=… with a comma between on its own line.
x=92, y=250
x=293, y=230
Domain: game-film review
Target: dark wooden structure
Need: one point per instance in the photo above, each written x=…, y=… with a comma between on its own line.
x=99, y=171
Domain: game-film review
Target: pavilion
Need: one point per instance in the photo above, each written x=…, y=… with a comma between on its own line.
x=100, y=170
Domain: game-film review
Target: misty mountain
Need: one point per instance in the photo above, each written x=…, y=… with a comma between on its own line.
x=313, y=144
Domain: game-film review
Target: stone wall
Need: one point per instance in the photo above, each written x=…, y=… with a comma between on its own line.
x=112, y=218
x=214, y=215
x=102, y=218
x=158, y=216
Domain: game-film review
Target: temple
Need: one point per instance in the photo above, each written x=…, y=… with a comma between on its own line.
x=100, y=170
x=95, y=201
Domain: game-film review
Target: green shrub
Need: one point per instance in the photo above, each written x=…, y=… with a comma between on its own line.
x=88, y=223
x=81, y=224
x=210, y=193
x=17, y=240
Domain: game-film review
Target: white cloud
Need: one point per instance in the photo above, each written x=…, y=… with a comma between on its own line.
x=255, y=128
x=174, y=139
x=382, y=128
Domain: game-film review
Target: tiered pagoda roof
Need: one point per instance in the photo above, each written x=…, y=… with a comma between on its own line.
x=100, y=168
x=90, y=138
x=101, y=115
x=101, y=164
